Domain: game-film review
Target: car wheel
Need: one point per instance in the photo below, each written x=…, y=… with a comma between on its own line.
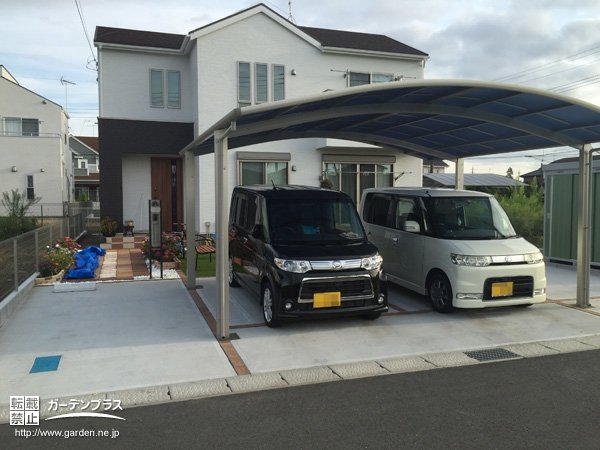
x=270, y=306
x=231, y=276
x=440, y=293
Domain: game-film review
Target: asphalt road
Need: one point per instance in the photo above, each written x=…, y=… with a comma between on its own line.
x=548, y=402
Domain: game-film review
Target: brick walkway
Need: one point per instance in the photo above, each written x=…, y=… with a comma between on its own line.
x=122, y=264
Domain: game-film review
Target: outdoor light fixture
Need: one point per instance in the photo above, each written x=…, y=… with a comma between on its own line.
x=293, y=71
x=42, y=170
x=14, y=169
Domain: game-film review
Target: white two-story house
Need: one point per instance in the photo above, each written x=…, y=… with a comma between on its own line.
x=34, y=149
x=159, y=91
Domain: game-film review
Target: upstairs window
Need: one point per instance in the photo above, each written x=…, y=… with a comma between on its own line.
x=244, y=97
x=278, y=82
x=173, y=89
x=161, y=87
x=360, y=78
x=16, y=126
x=254, y=85
x=156, y=89
x=261, y=83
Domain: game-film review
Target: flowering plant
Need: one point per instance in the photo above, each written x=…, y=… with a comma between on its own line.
x=58, y=257
x=171, y=246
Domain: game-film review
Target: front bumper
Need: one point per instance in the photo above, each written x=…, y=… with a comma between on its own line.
x=362, y=293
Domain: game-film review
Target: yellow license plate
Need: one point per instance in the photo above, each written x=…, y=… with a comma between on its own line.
x=504, y=289
x=327, y=299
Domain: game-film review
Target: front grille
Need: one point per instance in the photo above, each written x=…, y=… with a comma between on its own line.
x=522, y=287
x=351, y=288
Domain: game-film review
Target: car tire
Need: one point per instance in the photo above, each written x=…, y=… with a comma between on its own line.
x=440, y=293
x=231, y=275
x=270, y=306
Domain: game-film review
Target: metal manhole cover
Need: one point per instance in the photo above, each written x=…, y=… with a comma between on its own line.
x=491, y=354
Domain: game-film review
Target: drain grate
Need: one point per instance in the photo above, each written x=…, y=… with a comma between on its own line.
x=491, y=354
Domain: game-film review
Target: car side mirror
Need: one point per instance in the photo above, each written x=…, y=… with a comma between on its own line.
x=412, y=226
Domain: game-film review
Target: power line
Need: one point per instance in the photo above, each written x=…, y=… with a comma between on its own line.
x=534, y=69
x=85, y=32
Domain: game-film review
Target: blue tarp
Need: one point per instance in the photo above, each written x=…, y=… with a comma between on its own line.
x=86, y=263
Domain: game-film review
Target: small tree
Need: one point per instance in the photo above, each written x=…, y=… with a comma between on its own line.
x=509, y=172
x=16, y=204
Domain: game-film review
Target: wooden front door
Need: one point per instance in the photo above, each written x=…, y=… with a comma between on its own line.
x=167, y=186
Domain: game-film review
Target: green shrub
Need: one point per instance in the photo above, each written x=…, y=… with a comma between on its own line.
x=525, y=208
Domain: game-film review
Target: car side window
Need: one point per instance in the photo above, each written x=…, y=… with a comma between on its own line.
x=377, y=207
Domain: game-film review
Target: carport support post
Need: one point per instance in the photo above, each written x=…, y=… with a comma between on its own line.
x=222, y=229
x=583, y=227
x=189, y=194
x=459, y=174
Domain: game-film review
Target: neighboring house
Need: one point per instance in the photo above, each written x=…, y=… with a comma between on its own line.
x=86, y=167
x=159, y=91
x=434, y=166
x=34, y=148
x=561, y=208
x=533, y=175
x=487, y=182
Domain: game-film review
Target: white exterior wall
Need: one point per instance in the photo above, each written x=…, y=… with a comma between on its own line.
x=136, y=189
x=46, y=157
x=125, y=91
x=259, y=39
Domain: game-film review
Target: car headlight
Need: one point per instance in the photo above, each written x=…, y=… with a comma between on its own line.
x=372, y=262
x=534, y=258
x=292, y=265
x=469, y=260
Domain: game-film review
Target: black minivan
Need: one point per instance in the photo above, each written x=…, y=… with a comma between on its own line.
x=305, y=252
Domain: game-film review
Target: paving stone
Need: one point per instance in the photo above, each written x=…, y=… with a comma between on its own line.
x=141, y=396
x=309, y=375
x=530, y=350
x=408, y=364
x=199, y=389
x=568, y=345
x=245, y=383
x=591, y=340
x=359, y=369
x=451, y=359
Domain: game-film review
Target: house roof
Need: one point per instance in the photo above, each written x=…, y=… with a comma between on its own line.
x=360, y=41
x=327, y=38
x=471, y=179
x=81, y=148
x=435, y=161
x=91, y=141
x=138, y=38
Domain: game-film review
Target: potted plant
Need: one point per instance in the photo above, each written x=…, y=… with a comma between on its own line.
x=171, y=249
x=108, y=226
x=56, y=261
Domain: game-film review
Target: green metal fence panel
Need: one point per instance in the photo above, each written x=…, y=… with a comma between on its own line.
x=596, y=219
x=562, y=209
x=560, y=223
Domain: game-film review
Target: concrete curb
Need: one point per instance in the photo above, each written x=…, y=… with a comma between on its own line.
x=151, y=395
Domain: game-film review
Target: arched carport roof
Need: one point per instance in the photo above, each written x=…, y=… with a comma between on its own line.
x=448, y=119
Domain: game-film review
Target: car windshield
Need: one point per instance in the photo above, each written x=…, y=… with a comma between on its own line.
x=314, y=220
x=468, y=218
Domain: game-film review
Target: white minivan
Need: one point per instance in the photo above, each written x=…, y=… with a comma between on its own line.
x=457, y=247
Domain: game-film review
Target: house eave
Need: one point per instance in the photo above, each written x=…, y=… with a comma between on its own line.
x=373, y=53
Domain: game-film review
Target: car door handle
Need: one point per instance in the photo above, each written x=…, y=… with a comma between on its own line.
x=394, y=241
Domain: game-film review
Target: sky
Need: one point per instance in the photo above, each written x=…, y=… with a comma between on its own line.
x=548, y=44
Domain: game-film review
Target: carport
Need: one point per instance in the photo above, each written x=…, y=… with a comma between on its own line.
x=447, y=119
